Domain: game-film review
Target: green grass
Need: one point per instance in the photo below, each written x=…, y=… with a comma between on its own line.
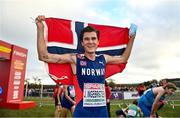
x=47, y=109
x=168, y=111
x=43, y=111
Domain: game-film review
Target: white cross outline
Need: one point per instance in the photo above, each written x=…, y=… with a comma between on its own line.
x=59, y=44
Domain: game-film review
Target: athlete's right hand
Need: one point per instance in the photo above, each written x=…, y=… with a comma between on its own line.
x=39, y=20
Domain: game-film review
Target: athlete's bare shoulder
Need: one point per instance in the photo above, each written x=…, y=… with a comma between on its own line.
x=80, y=56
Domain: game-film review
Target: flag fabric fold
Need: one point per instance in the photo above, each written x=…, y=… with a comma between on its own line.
x=62, y=36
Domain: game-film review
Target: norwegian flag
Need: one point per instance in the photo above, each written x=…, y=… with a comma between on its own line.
x=63, y=37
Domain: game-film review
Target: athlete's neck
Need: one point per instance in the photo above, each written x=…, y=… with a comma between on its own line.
x=90, y=56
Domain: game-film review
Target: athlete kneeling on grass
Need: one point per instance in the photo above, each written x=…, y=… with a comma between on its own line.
x=149, y=101
x=89, y=84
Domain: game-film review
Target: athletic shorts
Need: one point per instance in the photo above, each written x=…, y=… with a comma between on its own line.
x=81, y=111
x=66, y=103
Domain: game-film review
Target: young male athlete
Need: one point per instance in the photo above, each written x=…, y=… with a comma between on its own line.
x=108, y=96
x=88, y=67
x=149, y=101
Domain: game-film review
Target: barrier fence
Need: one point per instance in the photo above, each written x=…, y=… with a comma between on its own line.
x=120, y=98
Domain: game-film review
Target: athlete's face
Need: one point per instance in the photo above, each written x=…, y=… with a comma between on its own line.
x=90, y=42
x=170, y=91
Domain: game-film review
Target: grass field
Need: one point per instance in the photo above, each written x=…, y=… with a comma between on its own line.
x=45, y=108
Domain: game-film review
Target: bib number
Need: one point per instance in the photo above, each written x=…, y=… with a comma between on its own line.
x=94, y=95
x=131, y=112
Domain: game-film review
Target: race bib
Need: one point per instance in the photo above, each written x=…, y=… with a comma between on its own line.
x=131, y=112
x=94, y=95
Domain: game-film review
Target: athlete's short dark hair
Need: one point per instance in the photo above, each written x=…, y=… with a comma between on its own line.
x=170, y=85
x=88, y=29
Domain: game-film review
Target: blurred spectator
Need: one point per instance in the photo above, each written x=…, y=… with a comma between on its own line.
x=154, y=83
x=141, y=88
x=131, y=88
x=108, y=96
x=57, y=98
x=147, y=84
x=163, y=82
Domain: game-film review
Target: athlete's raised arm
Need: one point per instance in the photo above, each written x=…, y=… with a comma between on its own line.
x=125, y=56
x=42, y=48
